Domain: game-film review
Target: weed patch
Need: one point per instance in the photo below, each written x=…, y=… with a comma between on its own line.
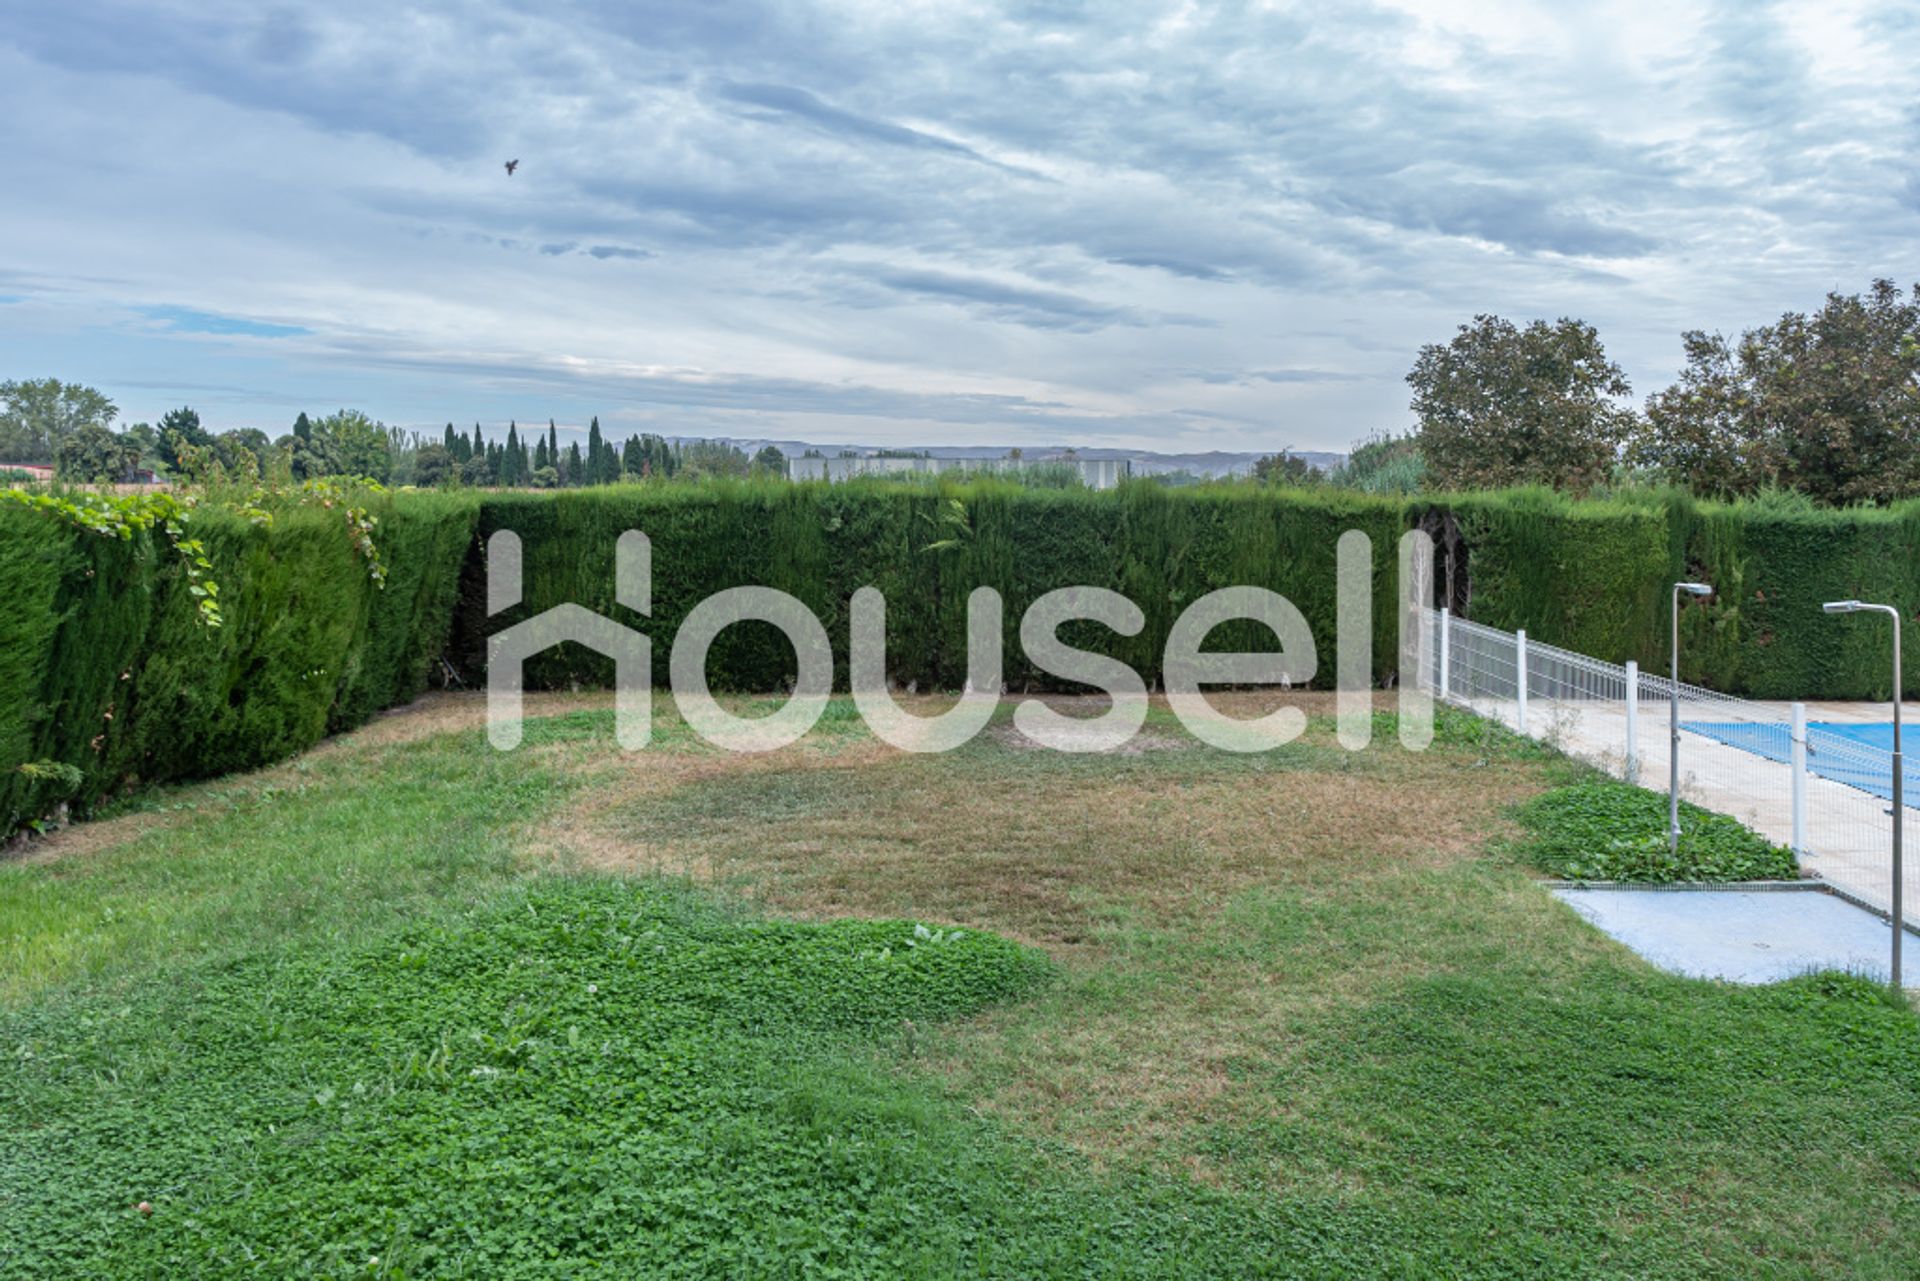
x=1607, y=831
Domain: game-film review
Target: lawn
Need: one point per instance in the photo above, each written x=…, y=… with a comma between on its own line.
x=409, y=1007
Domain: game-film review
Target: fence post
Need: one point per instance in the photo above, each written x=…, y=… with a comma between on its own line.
x=1799, y=757
x=1520, y=676
x=1446, y=652
x=1633, y=721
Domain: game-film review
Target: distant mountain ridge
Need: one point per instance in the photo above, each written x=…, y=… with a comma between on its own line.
x=1212, y=462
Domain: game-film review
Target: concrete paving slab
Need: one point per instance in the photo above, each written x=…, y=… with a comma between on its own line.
x=1746, y=936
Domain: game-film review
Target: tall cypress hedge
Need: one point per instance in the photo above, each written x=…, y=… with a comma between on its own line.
x=1764, y=634
x=927, y=549
x=1585, y=576
x=108, y=675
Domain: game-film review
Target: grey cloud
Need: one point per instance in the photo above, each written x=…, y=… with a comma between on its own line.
x=1276, y=174
x=785, y=100
x=1039, y=307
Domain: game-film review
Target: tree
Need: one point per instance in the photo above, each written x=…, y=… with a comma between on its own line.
x=507, y=473
x=245, y=450
x=91, y=454
x=770, y=462
x=434, y=465
x=36, y=415
x=184, y=442
x=476, y=471
x=594, y=470
x=1828, y=404
x=361, y=446
x=144, y=438
x=310, y=456
x=544, y=478
x=1500, y=405
x=1284, y=468
x=715, y=458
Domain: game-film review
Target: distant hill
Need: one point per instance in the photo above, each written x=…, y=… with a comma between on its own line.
x=1212, y=462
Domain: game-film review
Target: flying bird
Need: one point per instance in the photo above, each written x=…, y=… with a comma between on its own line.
x=511, y=166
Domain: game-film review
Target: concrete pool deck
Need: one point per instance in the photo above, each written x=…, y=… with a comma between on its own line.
x=1744, y=936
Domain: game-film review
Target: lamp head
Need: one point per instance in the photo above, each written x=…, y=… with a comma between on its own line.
x=1695, y=589
x=1842, y=607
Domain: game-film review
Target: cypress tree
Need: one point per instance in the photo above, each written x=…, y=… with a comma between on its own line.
x=596, y=469
x=509, y=472
x=302, y=428
x=540, y=456
x=576, y=467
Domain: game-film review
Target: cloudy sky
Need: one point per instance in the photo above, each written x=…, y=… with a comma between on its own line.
x=1162, y=225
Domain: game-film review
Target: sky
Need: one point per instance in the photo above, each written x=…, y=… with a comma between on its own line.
x=1169, y=226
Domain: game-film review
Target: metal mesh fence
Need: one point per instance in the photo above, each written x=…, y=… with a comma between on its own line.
x=1812, y=777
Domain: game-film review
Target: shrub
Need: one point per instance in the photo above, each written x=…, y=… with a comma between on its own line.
x=1607, y=831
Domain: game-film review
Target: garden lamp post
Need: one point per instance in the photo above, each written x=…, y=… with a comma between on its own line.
x=1899, y=801
x=1673, y=719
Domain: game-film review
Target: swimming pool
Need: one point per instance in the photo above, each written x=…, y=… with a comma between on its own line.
x=1855, y=754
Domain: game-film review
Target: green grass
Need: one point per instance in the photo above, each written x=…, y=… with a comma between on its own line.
x=580, y=1068
x=1607, y=831
x=338, y=845
x=1289, y=1027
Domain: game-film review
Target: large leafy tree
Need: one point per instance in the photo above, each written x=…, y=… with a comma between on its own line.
x=434, y=465
x=1828, y=404
x=361, y=446
x=39, y=413
x=91, y=453
x=1505, y=405
x=1284, y=468
x=244, y=450
x=181, y=434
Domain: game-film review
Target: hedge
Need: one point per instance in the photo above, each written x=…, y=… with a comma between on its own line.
x=109, y=676
x=926, y=549
x=1596, y=577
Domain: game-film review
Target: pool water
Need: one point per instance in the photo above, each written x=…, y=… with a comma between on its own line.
x=1853, y=753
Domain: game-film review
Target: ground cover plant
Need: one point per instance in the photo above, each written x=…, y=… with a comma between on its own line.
x=408, y=1007
x=1603, y=830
